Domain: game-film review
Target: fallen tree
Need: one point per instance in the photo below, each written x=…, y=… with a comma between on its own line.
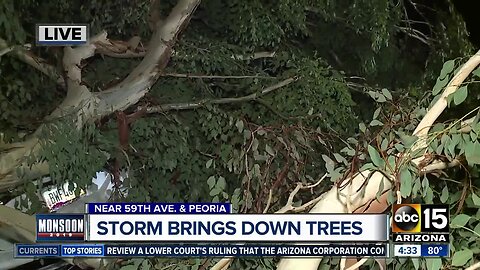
x=362, y=193
x=351, y=200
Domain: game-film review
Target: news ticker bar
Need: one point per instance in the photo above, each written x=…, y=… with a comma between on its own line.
x=117, y=250
x=425, y=250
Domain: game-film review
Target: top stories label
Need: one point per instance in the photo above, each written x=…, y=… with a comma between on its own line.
x=54, y=227
x=158, y=208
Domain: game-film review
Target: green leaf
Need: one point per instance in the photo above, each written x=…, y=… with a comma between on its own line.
x=367, y=166
x=416, y=263
x=433, y=263
x=145, y=264
x=425, y=185
x=247, y=134
x=476, y=119
x=381, y=187
x=375, y=122
x=373, y=94
x=450, y=99
x=428, y=196
x=381, y=98
x=408, y=140
x=255, y=144
x=299, y=136
x=445, y=194
x=134, y=266
x=399, y=147
x=239, y=125
x=335, y=174
x=215, y=192
x=377, y=96
x=391, y=162
x=477, y=228
x=329, y=163
x=221, y=183
x=376, y=113
x=339, y=158
x=375, y=156
x=460, y=95
x=461, y=257
x=406, y=183
x=476, y=72
x=447, y=68
x=387, y=94
x=256, y=170
x=460, y=220
x=390, y=198
x=472, y=153
x=211, y=181
x=475, y=199
x=362, y=127
x=269, y=150
x=473, y=135
x=384, y=144
x=209, y=163
x=439, y=85
x=453, y=143
x=416, y=186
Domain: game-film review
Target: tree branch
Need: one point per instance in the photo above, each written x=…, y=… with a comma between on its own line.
x=254, y=56
x=122, y=49
x=139, y=81
x=127, y=54
x=439, y=106
x=473, y=266
x=201, y=103
x=288, y=207
x=29, y=58
x=6, y=50
x=79, y=100
x=177, y=75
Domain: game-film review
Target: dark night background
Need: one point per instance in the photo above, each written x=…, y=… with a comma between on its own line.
x=469, y=11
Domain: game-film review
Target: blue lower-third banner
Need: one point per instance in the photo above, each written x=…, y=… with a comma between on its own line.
x=117, y=250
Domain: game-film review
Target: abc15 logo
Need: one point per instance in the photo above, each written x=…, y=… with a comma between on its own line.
x=417, y=218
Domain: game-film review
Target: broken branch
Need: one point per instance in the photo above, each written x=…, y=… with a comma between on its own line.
x=201, y=103
x=24, y=55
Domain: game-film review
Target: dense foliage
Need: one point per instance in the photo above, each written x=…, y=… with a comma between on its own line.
x=351, y=62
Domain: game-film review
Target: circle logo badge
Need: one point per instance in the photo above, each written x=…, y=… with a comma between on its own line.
x=406, y=218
